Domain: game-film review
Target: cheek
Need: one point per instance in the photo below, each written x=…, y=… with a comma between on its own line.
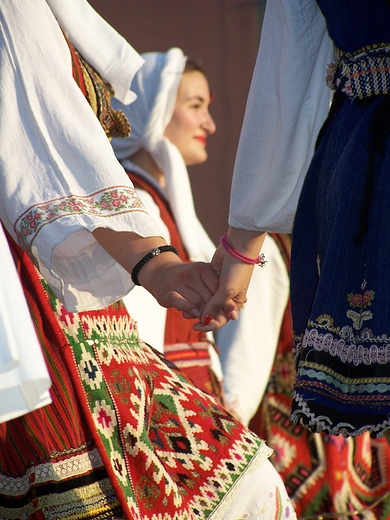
x=183, y=121
x=194, y=155
x=173, y=130
x=180, y=130
x=175, y=135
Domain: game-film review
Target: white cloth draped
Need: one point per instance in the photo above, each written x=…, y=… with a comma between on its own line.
x=287, y=104
x=109, y=53
x=55, y=161
x=156, y=85
x=59, y=176
x=24, y=379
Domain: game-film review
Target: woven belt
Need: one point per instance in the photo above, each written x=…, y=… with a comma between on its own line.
x=361, y=75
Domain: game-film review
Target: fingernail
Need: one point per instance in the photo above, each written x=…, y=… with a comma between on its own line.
x=194, y=312
x=207, y=319
x=233, y=315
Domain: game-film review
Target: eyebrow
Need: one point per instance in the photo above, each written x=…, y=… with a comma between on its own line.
x=199, y=98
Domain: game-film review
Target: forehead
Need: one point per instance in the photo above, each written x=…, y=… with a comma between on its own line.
x=193, y=84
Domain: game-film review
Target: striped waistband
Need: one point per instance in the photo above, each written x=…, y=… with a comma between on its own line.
x=363, y=74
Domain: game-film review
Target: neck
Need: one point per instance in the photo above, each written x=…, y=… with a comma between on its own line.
x=144, y=160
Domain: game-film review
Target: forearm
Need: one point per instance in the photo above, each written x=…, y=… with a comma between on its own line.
x=186, y=286
x=128, y=248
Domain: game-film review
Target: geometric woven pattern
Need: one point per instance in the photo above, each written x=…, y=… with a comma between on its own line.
x=126, y=433
x=172, y=451
x=365, y=73
x=131, y=435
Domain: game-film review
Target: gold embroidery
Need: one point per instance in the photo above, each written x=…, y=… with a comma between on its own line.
x=99, y=93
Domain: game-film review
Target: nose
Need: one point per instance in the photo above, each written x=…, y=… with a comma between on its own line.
x=208, y=123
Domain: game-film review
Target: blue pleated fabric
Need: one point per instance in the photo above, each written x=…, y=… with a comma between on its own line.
x=340, y=267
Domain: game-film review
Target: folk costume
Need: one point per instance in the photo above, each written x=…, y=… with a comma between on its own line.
x=126, y=434
x=339, y=267
x=193, y=351
x=156, y=86
x=322, y=473
x=248, y=346
x=172, y=208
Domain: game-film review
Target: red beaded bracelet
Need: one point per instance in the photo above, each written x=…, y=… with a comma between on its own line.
x=261, y=260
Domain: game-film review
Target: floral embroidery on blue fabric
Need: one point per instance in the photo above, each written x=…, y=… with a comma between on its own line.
x=360, y=301
x=320, y=355
x=351, y=344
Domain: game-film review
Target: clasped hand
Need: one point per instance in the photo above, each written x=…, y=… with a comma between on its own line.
x=211, y=292
x=187, y=287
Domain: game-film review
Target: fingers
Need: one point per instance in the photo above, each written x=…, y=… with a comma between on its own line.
x=188, y=316
x=231, y=294
x=196, y=285
x=188, y=287
x=189, y=310
x=217, y=312
x=197, y=291
x=210, y=276
x=219, y=317
x=213, y=323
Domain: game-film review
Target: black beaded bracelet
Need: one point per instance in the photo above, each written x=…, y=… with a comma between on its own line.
x=154, y=252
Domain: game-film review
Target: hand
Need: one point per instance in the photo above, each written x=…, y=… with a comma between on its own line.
x=186, y=286
x=234, y=275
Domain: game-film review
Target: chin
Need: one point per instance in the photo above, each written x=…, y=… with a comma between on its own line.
x=198, y=159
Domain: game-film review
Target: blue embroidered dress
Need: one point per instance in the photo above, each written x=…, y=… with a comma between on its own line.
x=340, y=271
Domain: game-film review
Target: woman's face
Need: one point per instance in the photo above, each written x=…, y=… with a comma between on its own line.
x=191, y=121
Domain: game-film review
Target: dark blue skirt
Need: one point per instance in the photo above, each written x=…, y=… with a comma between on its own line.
x=340, y=285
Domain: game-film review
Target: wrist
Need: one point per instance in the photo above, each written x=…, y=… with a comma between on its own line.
x=248, y=243
x=260, y=260
x=151, y=256
x=156, y=275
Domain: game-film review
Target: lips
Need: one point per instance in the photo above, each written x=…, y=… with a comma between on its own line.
x=201, y=138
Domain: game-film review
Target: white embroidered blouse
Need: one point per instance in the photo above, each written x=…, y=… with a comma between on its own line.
x=59, y=176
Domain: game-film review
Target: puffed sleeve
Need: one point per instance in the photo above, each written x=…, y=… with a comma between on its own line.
x=287, y=104
x=59, y=177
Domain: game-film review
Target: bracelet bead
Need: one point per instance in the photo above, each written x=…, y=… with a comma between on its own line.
x=153, y=253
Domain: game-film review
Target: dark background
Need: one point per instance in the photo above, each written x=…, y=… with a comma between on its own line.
x=222, y=36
